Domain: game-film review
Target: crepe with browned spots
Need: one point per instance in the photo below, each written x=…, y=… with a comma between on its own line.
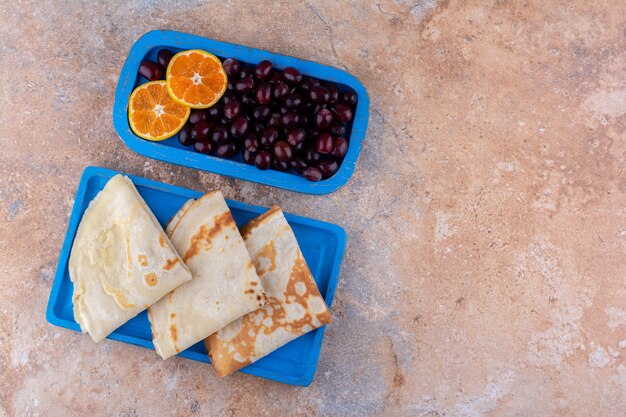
x=121, y=260
x=296, y=306
x=225, y=285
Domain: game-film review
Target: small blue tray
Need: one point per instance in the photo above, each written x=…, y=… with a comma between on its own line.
x=170, y=150
x=323, y=245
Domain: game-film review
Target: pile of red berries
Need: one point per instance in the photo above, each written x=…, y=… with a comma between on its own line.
x=153, y=71
x=278, y=120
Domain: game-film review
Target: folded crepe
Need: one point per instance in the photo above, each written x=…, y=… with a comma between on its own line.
x=121, y=260
x=224, y=287
x=296, y=306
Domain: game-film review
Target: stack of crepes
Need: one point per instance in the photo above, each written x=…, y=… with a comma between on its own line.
x=295, y=305
x=200, y=279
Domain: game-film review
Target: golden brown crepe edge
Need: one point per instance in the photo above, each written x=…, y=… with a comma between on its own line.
x=213, y=343
x=247, y=228
x=222, y=220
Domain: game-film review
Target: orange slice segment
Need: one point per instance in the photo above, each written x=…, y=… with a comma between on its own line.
x=152, y=113
x=196, y=79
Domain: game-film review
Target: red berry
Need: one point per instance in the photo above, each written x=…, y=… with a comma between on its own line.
x=215, y=111
x=164, y=56
x=225, y=150
x=296, y=136
x=202, y=147
x=200, y=132
x=323, y=118
x=197, y=116
x=324, y=143
x=238, y=127
x=349, y=98
x=334, y=93
x=251, y=142
x=263, y=159
x=292, y=76
x=275, y=77
x=290, y=119
x=343, y=112
x=263, y=94
x=293, y=100
x=184, y=136
x=232, y=109
x=232, y=67
x=328, y=168
x=260, y=113
x=340, y=149
x=274, y=119
x=219, y=135
x=282, y=151
x=310, y=155
x=337, y=128
x=312, y=174
x=263, y=69
x=244, y=85
x=269, y=136
x=280, y=90
x=319, y=94
x=298, y=164
x=248, y=156
x=150, y=70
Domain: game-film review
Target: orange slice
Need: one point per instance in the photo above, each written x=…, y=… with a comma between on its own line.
x=196, y=79
x=152, y=113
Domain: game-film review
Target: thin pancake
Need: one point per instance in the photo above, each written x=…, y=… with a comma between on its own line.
x=296, y=306
x=121, y=260
x=224, y=287
x=171, y=225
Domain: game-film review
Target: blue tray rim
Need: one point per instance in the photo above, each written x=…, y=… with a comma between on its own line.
x=224, y=166
x=304, y=379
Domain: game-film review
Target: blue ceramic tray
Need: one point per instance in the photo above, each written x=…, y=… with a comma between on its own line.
x=322, y=244
x=171, y=150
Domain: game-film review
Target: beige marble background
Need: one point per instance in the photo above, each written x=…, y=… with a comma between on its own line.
x=486, y=268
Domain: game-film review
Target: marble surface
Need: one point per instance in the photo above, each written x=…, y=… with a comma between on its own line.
x=485, y=273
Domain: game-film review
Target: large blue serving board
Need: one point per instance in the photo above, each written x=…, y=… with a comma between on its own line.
x=323, y=245
x=170, y=150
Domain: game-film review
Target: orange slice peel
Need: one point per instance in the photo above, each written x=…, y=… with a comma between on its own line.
x=153, y=114
x=196, y=79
